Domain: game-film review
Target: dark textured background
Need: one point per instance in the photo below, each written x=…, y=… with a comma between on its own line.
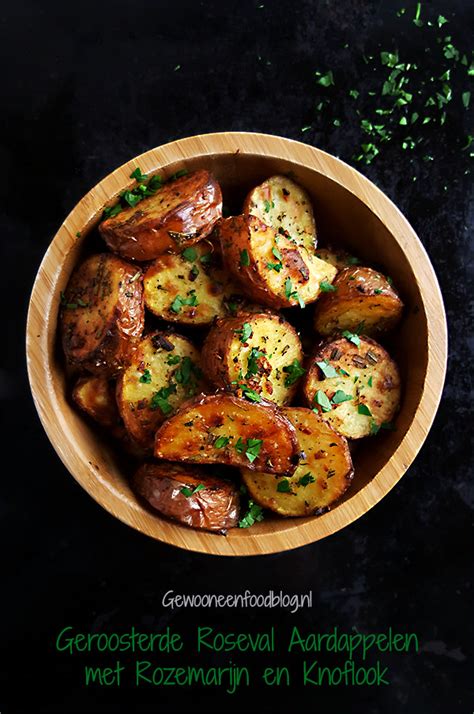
x=84, y=88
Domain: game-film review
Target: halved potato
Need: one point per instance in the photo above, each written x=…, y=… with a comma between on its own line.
x=102, y=314
x=254, y=351
x=180, y=213
x=323, y=475
x=190, y=288
x=163, y=374
x=271, y=268
x=283, y=204
x=363, y=300
x=96, y=397
x=354, y=384
x=189, y=495
x=337, y=256
x=222, y=429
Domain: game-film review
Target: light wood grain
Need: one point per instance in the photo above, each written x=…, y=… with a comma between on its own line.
x=349, y=210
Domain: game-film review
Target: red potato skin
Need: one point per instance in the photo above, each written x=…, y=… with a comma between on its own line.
x=175, y=441
x=234, y=235
x=96, y=397
x=102, y=345
x=149, y=229
x=214, y=508
x=359, y=288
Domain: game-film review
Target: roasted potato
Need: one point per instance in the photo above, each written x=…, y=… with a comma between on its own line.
x=102, y=314
x=285, y=206
x=96, y=397
x=190, y=288
x=260, y=352
x=271, y=268
x=224, y=429
x=362, y=300
x=180, y=213
x=354, y=384
x=189, y=495
x=164, y=373
x=337, y=256
x=321, y=477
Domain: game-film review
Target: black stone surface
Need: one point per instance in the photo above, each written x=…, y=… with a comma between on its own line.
x=86, y=86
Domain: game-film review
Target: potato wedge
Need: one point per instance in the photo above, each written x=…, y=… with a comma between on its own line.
x=190, y=288
x=363, y=300
x=163, y=374
x=180, y=213
x=285, y=206
x=354, y=384
x=337, y=256
x=102, y=314
x=222, y=429
x=271, y=268
x=321, y=478
x=189, y=495
x=254, y=351
x=96, y=397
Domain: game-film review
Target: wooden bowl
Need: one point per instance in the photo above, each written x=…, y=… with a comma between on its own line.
x=351, y=212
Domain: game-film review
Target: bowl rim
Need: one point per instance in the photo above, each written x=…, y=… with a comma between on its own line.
x=39, y=341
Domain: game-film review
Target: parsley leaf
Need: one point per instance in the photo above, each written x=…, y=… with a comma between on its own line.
x=137, y=175
x=244, y=258
x=321, y=399
x=306, y=479
x=284, y=486
x=245, y=333
x=293, y=371
x=340, y=397
x=173, y=359
x=160, y=399
x=179, y=301
x=251, y=448
x=326, y=287
x=327, y=369
x=186, y=491
x=252, y=365
x=221, y=442
x=364, y=410
x=189, y=254
x=253, y=515
x=145, y=377
x=352, y=337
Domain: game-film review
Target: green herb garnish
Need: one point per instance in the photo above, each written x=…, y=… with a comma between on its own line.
x=364, y=410
x=188, y=492
x=327, y=369
x=284, y=486
x=326, y=287
x=159, y=399
x=180, y=302
x=221, y=442
x=322, y=400
x=251, y=448
x=352, y=337
x=189, y=254
x=245, y=333
x=145, y=377
x=244, y=258
x=293, y=372
x=340, y=397
x=253, y=515
x=306, y=479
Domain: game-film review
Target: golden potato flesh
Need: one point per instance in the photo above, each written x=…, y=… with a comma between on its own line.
x=324, y=472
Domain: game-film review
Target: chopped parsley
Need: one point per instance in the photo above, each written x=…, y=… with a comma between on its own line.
x=189, y=254
x=252, y=364
x=221, y=442
x=284, y=486
x=145, y=377
x=364, y=410
x=173, y=359
x=326, y=287
x=268, y=205
x=137, y=175
x=186, y=491
x=251, y=448
x=188, y=374
x=322, y=400
x=327, y=369
x=180, y=302
x=340, y=397
x=254, y=514
x=293, y=372
x=159, y=399
x=275, y=266
x=369, y=381
x=352, y=337
x=291, y=294
x=249, y=394
x=245, y=333
x=306, y=479
x=244, y=258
